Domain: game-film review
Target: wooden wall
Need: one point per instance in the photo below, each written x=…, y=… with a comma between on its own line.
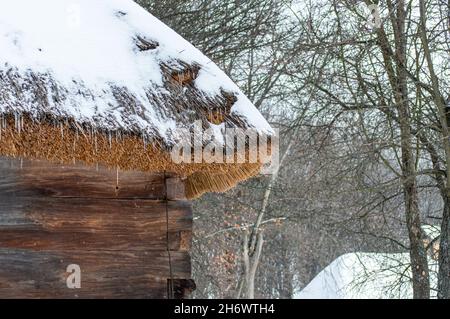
x=112, y=224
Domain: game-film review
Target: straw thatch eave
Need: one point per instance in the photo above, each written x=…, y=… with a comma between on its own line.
x=66, y=142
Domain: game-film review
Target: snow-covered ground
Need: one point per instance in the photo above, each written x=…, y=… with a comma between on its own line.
x=367, y=275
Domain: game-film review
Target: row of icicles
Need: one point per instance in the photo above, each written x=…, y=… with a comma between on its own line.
x=116, y=135
x=19, y=125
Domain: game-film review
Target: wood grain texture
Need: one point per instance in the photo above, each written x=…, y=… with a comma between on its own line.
x=113, y=225
x=40, y=178
x=68, y=223
x=42, y=274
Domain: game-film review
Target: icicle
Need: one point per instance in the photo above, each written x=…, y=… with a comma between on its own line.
x=4, y=123
x=16, y=122
x=144, y=141
x=20, y=123
x=110, y=139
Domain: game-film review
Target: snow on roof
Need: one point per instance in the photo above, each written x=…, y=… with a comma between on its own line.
x=365, y=276
x=112, y=65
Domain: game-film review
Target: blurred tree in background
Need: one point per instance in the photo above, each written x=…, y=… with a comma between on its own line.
x=362, y=113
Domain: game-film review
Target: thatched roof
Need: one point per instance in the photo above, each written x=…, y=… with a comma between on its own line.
x=105, y=82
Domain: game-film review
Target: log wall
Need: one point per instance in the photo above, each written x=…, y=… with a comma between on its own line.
x=117, y=226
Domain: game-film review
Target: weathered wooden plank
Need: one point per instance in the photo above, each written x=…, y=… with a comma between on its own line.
x=40, y=178
x=43, y=274
x=175, y=189
x=68, y=223
x=185, y=240
x=56, y=241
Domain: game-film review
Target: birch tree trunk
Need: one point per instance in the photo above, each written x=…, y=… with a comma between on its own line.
x=251, y=264
x=253, y=243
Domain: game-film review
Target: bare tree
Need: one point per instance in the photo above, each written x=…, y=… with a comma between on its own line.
x=366, y=111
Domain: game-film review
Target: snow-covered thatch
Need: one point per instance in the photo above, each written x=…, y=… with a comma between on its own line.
x=88, y=70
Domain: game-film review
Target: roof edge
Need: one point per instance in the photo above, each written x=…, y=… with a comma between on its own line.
x=60, y=142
